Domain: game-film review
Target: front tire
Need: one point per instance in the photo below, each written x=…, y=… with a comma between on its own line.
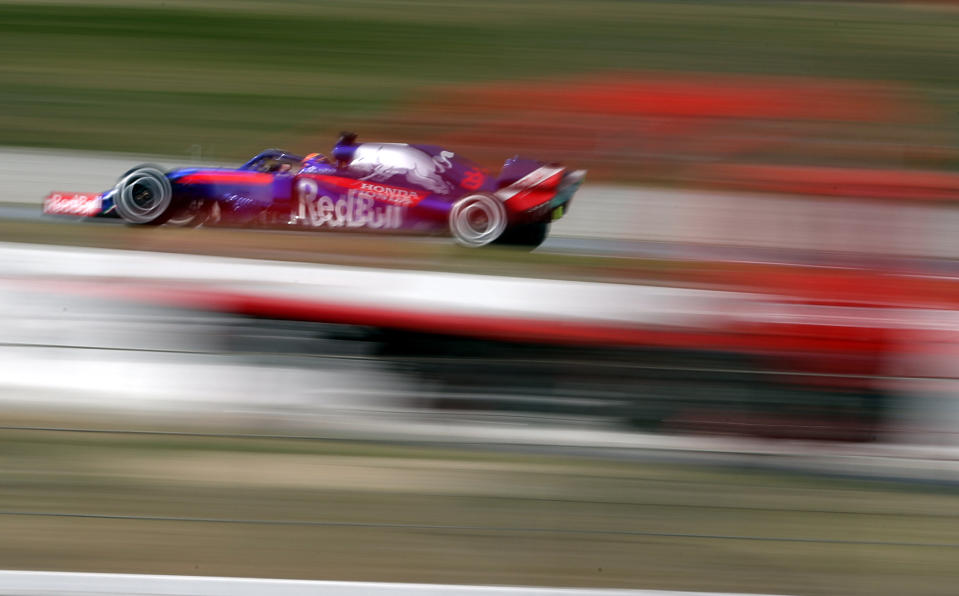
x=477, y=220
x=191, y=215
x=144, y=196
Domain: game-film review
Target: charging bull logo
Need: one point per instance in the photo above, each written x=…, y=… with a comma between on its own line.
x=382, y=161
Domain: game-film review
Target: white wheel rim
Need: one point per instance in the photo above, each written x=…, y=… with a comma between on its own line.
x=466, y=222
x=143, y=196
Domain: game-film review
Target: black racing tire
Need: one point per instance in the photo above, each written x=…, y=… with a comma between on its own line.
x=144, y=196
x=477, y=220
x=527, y=236
x=193, y=214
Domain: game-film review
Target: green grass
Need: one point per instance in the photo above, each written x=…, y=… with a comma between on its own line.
x=426, y=514
x=162, y=77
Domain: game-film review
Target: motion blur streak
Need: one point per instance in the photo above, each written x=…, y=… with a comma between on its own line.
x=730, y=367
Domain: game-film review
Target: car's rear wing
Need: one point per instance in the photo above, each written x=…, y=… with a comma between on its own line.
x=543, y=194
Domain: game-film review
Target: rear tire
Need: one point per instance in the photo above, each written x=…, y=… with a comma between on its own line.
x=477, y=220
x=144, y=196
x=525, y=236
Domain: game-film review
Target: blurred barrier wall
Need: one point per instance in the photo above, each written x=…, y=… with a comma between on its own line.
x=810, y=362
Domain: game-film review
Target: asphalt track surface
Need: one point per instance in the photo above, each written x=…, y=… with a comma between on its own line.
x=577, y=245
x=30, y=212
x=605, y=219
x=556, y=244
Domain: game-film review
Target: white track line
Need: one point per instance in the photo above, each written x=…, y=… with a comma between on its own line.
x=37, y=583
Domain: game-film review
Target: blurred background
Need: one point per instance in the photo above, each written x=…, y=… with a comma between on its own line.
x=732, y=367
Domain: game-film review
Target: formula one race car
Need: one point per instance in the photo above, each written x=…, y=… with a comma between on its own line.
x=391, y=187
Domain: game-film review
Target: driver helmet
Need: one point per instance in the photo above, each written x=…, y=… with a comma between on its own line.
x=314, y=161
x=315, y=158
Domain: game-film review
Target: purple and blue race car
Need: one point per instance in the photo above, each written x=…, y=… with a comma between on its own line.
x=383, y=187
